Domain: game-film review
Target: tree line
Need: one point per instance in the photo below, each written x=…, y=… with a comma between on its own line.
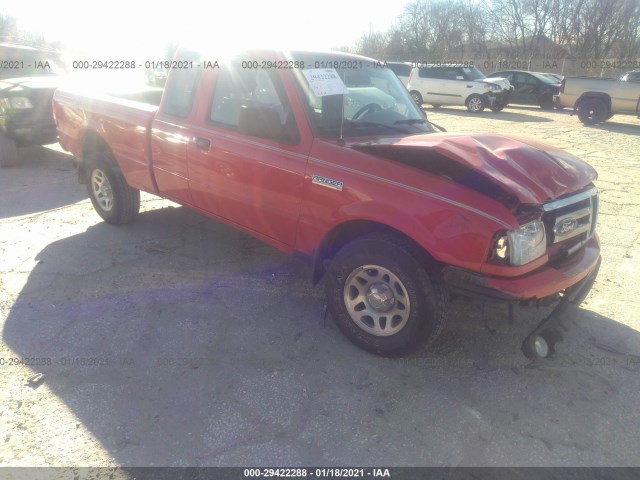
x=440, y=30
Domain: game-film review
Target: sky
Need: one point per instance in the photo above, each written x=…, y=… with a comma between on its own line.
x=119, y=28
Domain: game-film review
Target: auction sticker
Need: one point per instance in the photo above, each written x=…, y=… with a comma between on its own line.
x=324, y=81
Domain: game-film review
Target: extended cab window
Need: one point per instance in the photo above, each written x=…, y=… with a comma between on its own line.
x=181, y=84
x=239, y=88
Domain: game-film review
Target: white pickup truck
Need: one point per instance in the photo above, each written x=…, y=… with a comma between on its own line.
x=598, y=99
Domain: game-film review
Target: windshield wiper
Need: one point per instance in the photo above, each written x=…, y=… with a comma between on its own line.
x=376, y=124
x=413, y=121
x=409, y=121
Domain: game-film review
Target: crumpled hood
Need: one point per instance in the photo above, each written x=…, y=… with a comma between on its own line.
x=531, y=171
x=500, y=81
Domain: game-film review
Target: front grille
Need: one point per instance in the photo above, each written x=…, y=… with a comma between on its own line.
x=570, y=222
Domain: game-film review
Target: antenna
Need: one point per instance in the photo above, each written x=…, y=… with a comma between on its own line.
x=341, y=139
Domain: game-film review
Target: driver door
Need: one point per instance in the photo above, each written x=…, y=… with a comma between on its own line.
x=251, y=180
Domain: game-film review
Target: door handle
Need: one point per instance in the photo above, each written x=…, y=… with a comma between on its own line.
x=202, y=143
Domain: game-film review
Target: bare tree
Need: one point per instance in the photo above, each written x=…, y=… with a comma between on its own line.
x=8, y=28
x=414, y=21
x=518, y=29
x=371, y=45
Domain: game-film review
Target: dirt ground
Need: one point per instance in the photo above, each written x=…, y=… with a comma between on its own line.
x=178, y=341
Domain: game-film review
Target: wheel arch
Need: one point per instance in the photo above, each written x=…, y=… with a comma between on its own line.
x=92, y=143
x=597, y=95
x=344, y=233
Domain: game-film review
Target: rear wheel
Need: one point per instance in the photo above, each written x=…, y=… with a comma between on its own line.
x=475, y=103
x=382, y=298
x=592, y=111
x=416, y=97
x=114, y=200
x=8, y=151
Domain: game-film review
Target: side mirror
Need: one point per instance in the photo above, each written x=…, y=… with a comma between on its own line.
x=260, y=121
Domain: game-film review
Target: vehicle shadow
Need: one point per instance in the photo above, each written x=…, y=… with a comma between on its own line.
x=617, y=127
x=536, y=108
x=506, y=115
x=179, y=341
x=39, y=182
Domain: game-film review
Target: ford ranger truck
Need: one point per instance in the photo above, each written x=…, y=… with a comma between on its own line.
x=327, y=155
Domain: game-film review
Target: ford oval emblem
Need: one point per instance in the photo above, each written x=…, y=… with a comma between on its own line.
x=565, y=227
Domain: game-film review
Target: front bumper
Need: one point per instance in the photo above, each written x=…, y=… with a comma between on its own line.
x=499, y=98
x=30, y=129
x=573, y=277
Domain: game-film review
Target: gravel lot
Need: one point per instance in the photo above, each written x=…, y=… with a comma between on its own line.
x=179, y=341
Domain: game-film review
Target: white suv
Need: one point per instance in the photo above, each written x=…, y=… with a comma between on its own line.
x=458, y=85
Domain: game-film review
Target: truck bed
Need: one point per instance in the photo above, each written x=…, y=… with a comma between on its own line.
x=122, y=121
x=619, y=96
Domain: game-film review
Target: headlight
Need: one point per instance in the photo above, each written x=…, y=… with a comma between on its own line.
x=523, y=245
x=19, y=103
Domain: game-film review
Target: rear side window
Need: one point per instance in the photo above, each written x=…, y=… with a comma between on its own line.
x=425, y=72
x=400, y=69
x=440, y=73
x=181, y=84
x=451, y=73
x=519, y=78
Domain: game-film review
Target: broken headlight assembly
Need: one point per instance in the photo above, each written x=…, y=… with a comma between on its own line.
x=521, y=246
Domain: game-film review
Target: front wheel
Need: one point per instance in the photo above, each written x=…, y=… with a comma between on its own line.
x=416, y=97
x=114, y=200
x=475, y=103
x=382, y=298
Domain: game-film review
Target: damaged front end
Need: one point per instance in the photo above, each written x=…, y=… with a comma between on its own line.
x=551, y=254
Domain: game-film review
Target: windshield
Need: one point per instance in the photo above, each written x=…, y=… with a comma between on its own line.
x=372, y=100
x=473, y=73
x=552, y=78
x=548, y=79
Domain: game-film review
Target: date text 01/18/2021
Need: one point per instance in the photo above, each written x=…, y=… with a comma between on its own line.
x=316, y=472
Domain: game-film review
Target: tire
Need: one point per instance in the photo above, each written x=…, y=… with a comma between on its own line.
x=475, y=103
x=416, y=97
x=379, y=276
x=497, y=107
x=592, y=111
x=546, y=102
x=115, y=201
x=8, y=151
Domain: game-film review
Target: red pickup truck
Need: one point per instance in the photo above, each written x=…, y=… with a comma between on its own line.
x=326, y=154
